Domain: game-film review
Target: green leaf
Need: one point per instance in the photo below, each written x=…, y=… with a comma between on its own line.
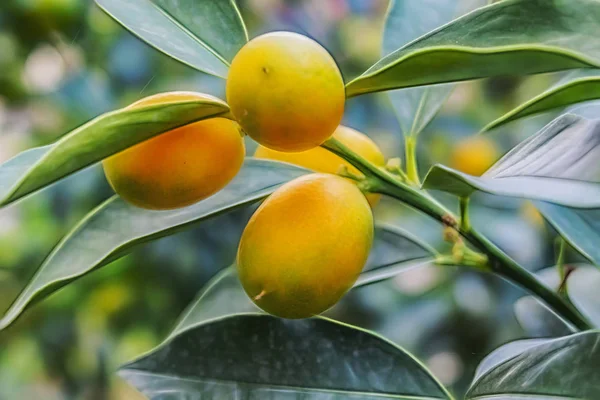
x=545, y=167
x=228, y=365
x=582, y=287
x=101, y=137
x=569, y=192
x=115, y=228
x=580, y=228
x=574, y=90
x=565, y=368
x=394, y=250
x=538, y=320
x=407, y=20
x=508, y=37
x=263, y=357
x=204, y=34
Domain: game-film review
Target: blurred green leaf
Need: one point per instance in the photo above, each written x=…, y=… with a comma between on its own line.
x=574, y=90
x=507, y=37
x=204, y=34
x=565, y=368
x=582, y=287
x=407, y=20
x=101, y=137
x=548, y=166
x=580, y=228
x=115, y=228
x=537, y=320
x=394, y=251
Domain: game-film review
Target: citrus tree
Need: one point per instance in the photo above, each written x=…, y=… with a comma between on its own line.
x=256, y=331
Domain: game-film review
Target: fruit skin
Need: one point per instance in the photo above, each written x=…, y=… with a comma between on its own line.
x=305, y=246
x=322, y=160
x=286, y=91
x=179, y=167
x=474, y=155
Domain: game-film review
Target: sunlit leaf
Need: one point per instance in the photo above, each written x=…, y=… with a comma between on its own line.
x=204, y=34
x=115, y=228
x=545, y=167
x=532, y=36
x=575, y=89
x=407, y=20
x=101, y=137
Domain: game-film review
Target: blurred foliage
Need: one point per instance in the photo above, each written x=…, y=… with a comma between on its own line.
x=64, y=62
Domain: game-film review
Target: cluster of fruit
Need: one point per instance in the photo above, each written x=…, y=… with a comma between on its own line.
x=307, y=243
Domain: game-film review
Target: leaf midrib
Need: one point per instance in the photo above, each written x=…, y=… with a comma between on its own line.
x=74, y=134
x=11, y=314
x=499, y=50
x=198, y=40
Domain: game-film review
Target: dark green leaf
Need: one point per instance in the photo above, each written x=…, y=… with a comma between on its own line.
x=115, y=228
x=98, y=139
x=204, y=34
x=545, y=167
x=224, y=297
x=508, y=37
x=580, y=228
x=574, y=90
x=565, y=368
x=262, y=357
x=407, y=20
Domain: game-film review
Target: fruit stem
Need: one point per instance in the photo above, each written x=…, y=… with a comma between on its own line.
x=498, y=262
x=260, y=295
x=410, y=147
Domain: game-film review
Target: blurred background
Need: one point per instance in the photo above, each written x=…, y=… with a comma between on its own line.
x=63, y=62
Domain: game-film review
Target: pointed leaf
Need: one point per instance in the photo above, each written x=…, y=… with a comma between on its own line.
x=582, y=287
x=535, y=35
x=544, y=167
x=580, y=228
x=564, y=368
x=101, y=137
x=259, y=356
x=204, y=34
x=407, y=20
x=115, y=228
x=575, y=90
x=394, y=250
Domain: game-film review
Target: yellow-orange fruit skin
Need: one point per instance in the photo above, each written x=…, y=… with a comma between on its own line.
x=474, y=155
x=305, y=246
x=286, y=91
x=322, y=160
x=180, y=167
